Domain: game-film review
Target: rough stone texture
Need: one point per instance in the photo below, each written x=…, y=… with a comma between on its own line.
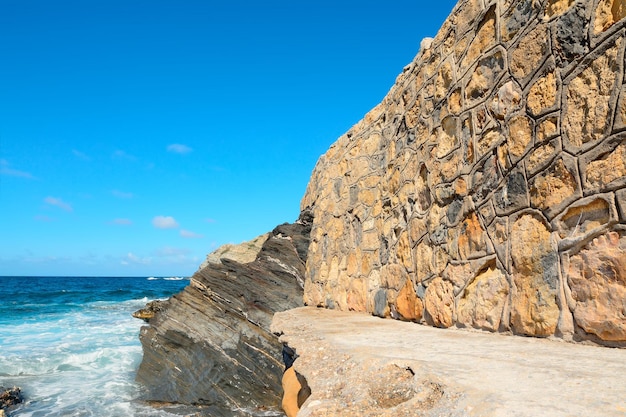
x=534, y=310
x=358, y=365
x=597, y=278
x=210, y=345
x=482, y=304
x=9, y=397
x=492, y=164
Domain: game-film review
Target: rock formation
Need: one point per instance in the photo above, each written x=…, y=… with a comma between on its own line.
x=488, y=189
x=211, y=344
x=9, y=398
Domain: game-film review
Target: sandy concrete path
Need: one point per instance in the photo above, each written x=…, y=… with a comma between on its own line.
x=357, y=364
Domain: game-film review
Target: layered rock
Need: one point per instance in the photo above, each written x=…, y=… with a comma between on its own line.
x=488, y=189
x=210, y=345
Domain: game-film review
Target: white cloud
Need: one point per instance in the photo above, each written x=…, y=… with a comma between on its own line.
x=80, y=155
x=121, y=222
x=179, y=148
x=57, y=202
x=190, y=235
x=132, y=259
x=5, y=169
x=165, y=222
x=168, y=251
x=119, y=154
x=121, y=194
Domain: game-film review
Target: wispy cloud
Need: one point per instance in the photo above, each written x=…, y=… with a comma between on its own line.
x=209, y=220
x=121, y=222
x=132, y=259
x=57, y=202
x=164, y=222
x=5, y=169
x=122, y=194
x=80, y=155
x=122, y=155
x=190, y=235
x=43, y=218
x=179, y=148
x=169, y=251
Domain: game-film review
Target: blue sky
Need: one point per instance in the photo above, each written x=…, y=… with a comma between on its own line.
x=138, y=136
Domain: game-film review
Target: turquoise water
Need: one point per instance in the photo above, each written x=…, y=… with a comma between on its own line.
x=72, y=345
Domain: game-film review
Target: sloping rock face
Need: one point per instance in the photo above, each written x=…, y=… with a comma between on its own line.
x=211, y=344
x=488, y=189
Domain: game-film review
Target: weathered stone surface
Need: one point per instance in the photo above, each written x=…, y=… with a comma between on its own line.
x=150, y=310
x=501, y=144
x=528, y=54
x=607, y=169
x=482, y=303
x=211, y=344
x=607, y=14
x=557, y=187
x=569, y=39
x=485, y=76
x=10, y=397
x=242, y=253
x=543, y=94
x=408, y=305
x=506, y=100
x=439, y=303
x=588, y=114
x=585, y=217
x=556, y=8
x=597, y=279
x=534, y=311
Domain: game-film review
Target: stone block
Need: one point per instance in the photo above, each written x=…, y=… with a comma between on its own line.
x=485, y=37
x=543, y=94
x=542, y=156
x=408, y=304
x=547, y=128
x=520, y=136
x=439, y=303
x=597, y=279
x=482, y=303
x=506, y=100
x=585, y=218
x=534, y=310
x=485, y=76
x=471, y=237
x=607, y=14
x=529, y=53
x=513, y=195
x=587, y=111
x=516, y=19
x=604, y=168
x=556, y=187
x=556, y=8
x=569, y=34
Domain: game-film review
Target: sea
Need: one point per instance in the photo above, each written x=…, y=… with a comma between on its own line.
x=72, y=345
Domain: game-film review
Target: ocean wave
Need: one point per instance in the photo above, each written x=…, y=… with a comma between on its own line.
x=175, y=279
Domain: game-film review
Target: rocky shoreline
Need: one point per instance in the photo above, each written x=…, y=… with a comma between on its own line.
x=211, y=344
x=486, y=192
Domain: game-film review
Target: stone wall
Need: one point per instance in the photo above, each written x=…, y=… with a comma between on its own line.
x=488, y=189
